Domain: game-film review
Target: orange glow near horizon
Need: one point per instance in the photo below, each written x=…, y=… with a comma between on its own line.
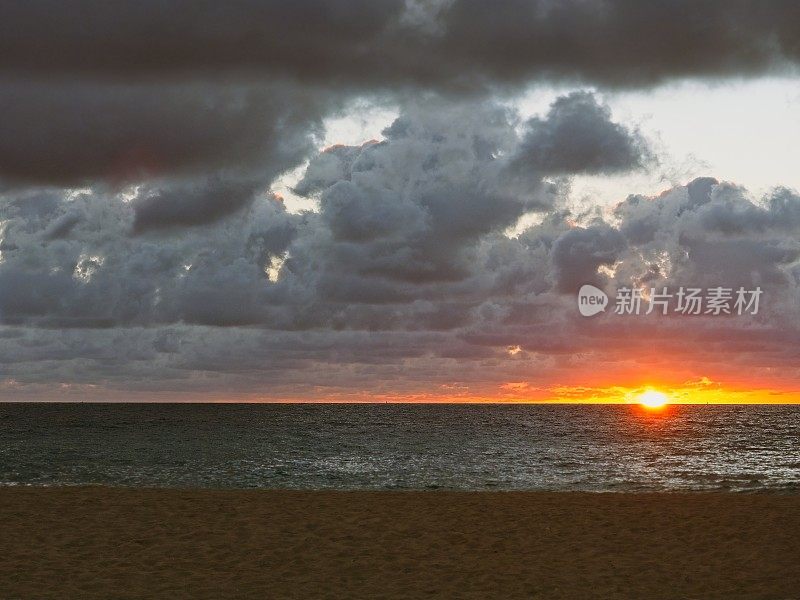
x=651, y=396
x=701, y=390
x=650, y=393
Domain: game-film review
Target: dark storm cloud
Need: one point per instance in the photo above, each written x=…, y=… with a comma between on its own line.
x=75, y=133
x=579, y=252
x=62, y=226
x=194, y=203
x=434, y=43
x=621, y=42
x=307, y=38
x=99, y=94
x=578, y=136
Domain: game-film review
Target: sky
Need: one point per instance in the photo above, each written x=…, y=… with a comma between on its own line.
x=397, y=200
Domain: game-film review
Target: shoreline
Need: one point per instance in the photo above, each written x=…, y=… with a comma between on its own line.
x=774, y=491
x=100, y=541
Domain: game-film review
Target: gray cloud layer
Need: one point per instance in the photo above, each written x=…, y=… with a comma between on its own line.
x=578, y=136
x=76, y=133
x=402, y=282
x=389, y=42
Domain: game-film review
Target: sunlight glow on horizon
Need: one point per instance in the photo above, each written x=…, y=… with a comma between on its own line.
x=696, y=391
x=652, y=399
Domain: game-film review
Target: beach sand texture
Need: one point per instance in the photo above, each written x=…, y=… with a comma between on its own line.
x=96, y=542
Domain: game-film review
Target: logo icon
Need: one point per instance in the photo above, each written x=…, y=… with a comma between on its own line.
x=591, y=300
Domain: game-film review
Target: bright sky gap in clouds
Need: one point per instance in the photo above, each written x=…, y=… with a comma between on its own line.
x=400, y=203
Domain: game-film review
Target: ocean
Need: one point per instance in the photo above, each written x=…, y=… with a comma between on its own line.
x=389, y=446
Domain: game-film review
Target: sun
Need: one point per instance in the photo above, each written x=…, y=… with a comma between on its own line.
x=652, y=399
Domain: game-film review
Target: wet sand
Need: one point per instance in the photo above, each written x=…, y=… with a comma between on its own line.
x=96, y=542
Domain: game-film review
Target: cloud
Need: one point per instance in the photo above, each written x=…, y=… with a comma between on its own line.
x=75, y=133
x=407, y=210
x=578, y=136
x=397, y=241
x=358, y=307
x=447, y=44
x=192, y=203
x=579, y=252
x=307, y=39
x=195, y=278
x=99, y=275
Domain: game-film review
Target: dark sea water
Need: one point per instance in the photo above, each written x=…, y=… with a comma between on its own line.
x=542, y=447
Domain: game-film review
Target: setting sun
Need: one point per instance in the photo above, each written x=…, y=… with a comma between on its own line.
x=652, y=399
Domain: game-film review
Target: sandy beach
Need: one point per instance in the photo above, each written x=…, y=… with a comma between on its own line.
x=96, y=542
